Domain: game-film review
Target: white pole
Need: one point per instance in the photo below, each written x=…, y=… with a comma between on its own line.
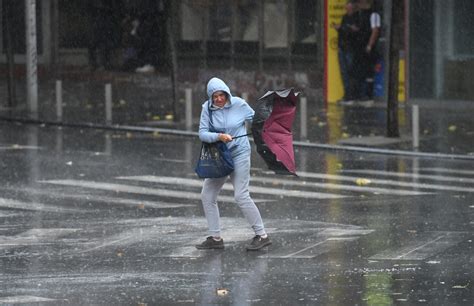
x=59, y=100
x=189, y=108
x=245, y=96
x=303, y=118
x=108, y=103
x=31, y=58
x=415, y=122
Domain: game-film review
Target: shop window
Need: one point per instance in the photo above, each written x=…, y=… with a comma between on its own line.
x=305, y=21
x=193, y=20
x=275, y=24
x=17, y=21
x=463, y=29
x=246, y=28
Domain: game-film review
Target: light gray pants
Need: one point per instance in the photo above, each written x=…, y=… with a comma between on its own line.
x=240, y=180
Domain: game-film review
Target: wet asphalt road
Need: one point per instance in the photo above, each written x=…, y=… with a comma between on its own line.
x=92, y=217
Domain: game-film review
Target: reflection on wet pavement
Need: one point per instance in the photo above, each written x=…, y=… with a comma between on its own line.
x=94, y=217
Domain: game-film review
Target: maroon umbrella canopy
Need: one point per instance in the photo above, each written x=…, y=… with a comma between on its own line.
x=271, y=129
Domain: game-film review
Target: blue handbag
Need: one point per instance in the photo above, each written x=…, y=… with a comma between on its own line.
x=215, y=159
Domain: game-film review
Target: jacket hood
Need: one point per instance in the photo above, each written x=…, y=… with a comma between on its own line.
x=216, y=84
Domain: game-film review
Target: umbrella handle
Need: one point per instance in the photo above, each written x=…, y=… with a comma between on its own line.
x=242, y=136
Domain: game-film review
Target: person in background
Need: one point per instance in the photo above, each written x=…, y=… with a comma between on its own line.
x=104, y=33
x=347, y=43
x=229, y=115
x=370, y=27
x=130, y=42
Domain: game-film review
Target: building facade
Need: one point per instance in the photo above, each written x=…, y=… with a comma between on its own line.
x=266, y=35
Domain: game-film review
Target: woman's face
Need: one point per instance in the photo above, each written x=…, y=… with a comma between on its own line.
x=219, y=98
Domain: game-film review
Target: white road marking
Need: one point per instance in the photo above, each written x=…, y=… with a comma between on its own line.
x=337, y=186
x=304, y=249
x=133, y=189
x=35, y=237
x=412, y=175
x=98, y=198
x=22, y=299
x=14, y=204
x=422, y=247
x=228, y=186
x=18, y=147
x=181, y=161
x=443, y=170
x=346, y=178
x=107, y=244
x=326, y=236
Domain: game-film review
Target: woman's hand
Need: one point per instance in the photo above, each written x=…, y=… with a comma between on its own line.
x=225, y=138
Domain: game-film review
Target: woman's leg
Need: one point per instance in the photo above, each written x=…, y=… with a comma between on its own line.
x=210, y=190
x=240, y=180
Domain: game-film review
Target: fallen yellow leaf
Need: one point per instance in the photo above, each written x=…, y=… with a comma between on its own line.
x=362, y=181
x=222, y=292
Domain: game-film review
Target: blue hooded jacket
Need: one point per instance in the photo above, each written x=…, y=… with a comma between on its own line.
x=229, y=119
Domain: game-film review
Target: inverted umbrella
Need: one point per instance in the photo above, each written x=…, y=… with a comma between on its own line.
x=271, y=129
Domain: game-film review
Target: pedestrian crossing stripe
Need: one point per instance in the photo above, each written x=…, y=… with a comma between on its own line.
x=444, y=170
x=35, y=237
x=423, y=246
x=18, y=147
x=254, y=189
x=99, y=198
x=22, y=299
x=190, y=182
x=34, y=206
x=414, y=185
x=375, y=190
x=413, y=175
x=131, y=189
x=136, y=190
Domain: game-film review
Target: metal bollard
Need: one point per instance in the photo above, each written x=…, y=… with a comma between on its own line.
x=59, y=100
x=108, y=103
x=189, y=108
x=303, y=118
x=415, y=126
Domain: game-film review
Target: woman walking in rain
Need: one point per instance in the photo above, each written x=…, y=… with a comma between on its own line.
x=228, y=117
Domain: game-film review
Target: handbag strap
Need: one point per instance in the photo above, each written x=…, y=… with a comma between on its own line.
x=211, y=128
x=211, y=125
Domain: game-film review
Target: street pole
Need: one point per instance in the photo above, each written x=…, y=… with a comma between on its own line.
x=6, y=9
x=173, y=57
x=394, y=44
x=31, y=58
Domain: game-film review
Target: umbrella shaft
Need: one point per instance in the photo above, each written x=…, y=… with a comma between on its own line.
x=242, y=136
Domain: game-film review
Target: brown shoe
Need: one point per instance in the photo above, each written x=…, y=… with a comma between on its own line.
x=258, y=242
x=211, y=243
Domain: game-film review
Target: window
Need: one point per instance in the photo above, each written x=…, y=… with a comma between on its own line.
x=246, y=28
x=463, y=30
x=275, y=24
x=220, y=21
x=192, y=20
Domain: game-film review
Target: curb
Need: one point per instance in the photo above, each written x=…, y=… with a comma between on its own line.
x=130, y=128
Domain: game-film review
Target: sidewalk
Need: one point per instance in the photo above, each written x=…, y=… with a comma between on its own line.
x=146, y=100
